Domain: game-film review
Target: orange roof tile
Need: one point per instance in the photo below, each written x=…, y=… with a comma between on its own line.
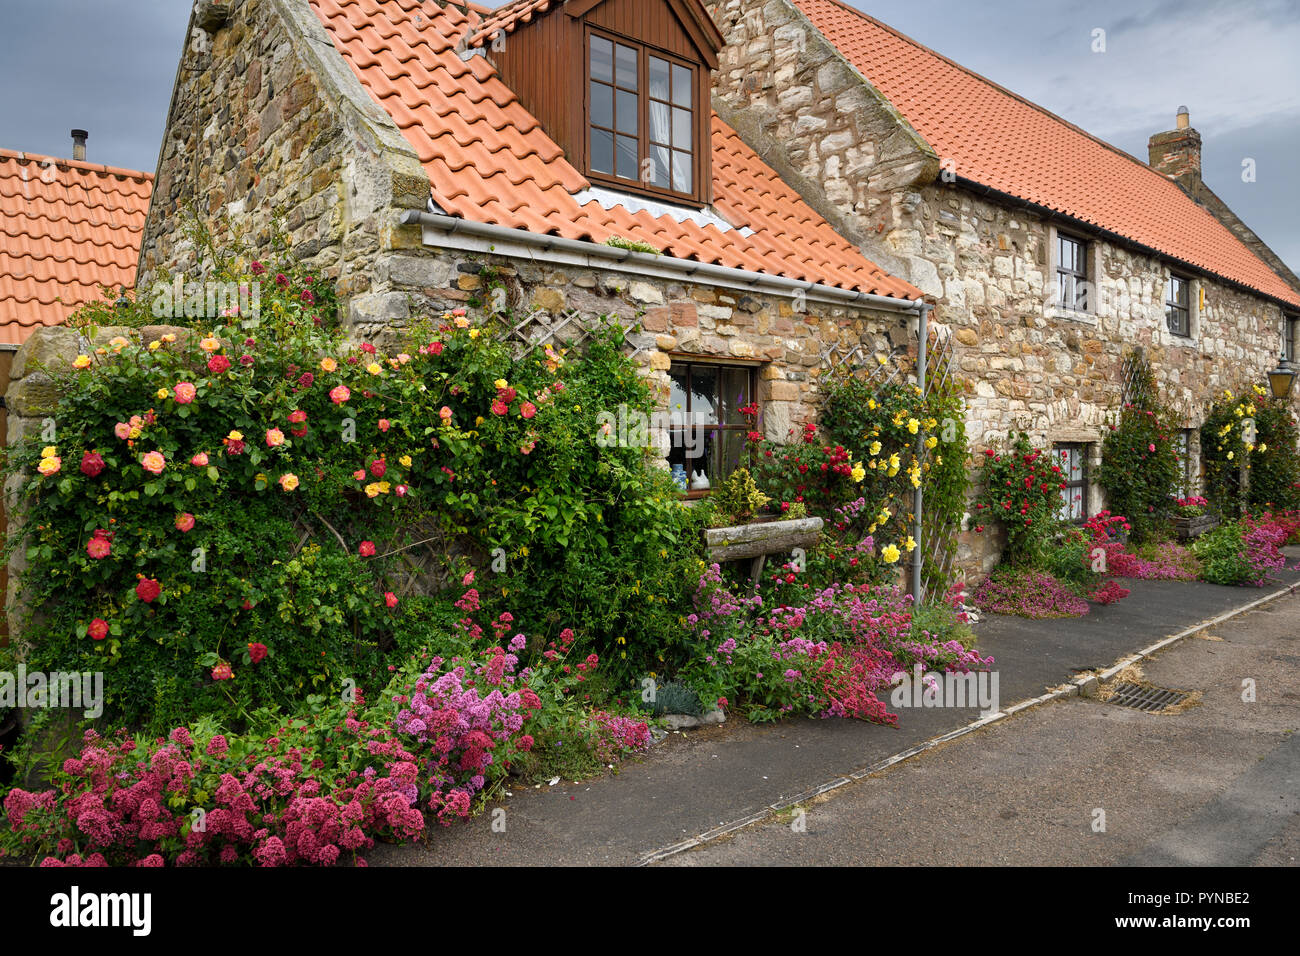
x=510, y=15
x=1003, y=141
x=489, y=160
x=67, y=228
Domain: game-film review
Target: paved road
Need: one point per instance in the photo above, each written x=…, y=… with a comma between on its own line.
x=700, y=780
x=1217, y=784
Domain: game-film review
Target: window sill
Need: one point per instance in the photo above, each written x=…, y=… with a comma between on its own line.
x=1070, y=315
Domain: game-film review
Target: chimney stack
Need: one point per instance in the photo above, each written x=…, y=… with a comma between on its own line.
x=1177, y=153
x=79, y=137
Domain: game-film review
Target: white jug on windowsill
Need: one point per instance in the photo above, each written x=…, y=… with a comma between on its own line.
x=699, y=481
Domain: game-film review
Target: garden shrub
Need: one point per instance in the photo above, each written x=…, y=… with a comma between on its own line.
x=1254, y=435
x=1241, y=553
x=162, y=524
x=1020, y=489
x=1139, y=461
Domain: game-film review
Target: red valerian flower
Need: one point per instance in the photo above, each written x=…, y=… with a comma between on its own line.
x=98, y=629
x=367, y=549
x=256, y=268
x=390, y=599
x=92, y=463
x=308, y=297
x=218, y=364
x=306, y=379
x=148, y=590
x=281, y=280
x=245, y=360
x=256, y=652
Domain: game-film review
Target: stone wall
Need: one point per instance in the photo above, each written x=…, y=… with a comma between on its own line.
x=989, y=266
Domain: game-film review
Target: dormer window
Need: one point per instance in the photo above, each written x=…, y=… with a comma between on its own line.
x=641, y=109
x=622, y=86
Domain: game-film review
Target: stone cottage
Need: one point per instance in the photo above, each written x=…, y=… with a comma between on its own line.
x=1049, y=253
x=567, y=153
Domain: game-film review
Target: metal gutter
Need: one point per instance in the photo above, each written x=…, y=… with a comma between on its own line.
x=649, y=264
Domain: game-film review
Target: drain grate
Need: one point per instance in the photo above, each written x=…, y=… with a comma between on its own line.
x=1150, y=699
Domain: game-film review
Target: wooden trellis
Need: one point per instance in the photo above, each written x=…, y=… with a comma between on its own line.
x=568, y=330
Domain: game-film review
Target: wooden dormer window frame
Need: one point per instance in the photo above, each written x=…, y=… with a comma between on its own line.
x=650, y=111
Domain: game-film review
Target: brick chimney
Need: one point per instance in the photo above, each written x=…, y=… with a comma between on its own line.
x=79, y=137
x=1177, y=153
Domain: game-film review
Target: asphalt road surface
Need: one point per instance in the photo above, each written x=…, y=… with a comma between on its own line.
x=1217, y=783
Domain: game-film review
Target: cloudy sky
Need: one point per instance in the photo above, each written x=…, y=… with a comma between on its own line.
x=108, y=66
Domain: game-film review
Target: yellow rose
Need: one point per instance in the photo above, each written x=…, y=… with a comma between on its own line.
x=859, y=472
x=1263, y=448
x=1231, y=455
x=49, y=451
x=210, y=344
x=373, y=368
x=405, y=461
x=372, y=491
x=162, y=393
x=289, y=482
x=117, y=343
x=473, y=333
x=875, y=448
x=910, y=544
x=155, y=345
x=931, y=442
x=169, y=337
x=328, y=365
x=236, y=436
x=134, y=432
x=462, y=322
x=913, y=425
x=50, y=466
x=501, y=383
x=81, y=361
x=890, y=553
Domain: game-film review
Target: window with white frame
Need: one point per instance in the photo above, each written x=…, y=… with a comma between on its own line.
x=1178, y=305
x=1072, y=457
x=1071, y=273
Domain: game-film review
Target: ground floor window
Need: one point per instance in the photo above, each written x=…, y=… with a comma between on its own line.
x=1187, y=472
x=706, y=426
x=1073, y=460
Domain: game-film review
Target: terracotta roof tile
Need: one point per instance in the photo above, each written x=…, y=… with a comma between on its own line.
x=1003, y=141
x=508, y=16
x=489, y=160
x=67, y=228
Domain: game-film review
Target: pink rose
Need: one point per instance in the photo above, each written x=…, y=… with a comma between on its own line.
x=390, y=599
x=184, y=393
x=92, y=463
x=184, y=522
x=528, y=409
x=200, y=460
x=122, y=430
x=153, y=462
x=499, y=407
x=274, y=438
x=340, y=394
x=222, y=672
x=98, y=629
x=98, y=547
x=366, y=549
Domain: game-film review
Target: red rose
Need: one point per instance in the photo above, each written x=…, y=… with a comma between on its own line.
x=528, y=409
x=218, y=364
x=367, y=549
x=148, y=590
x=298, y=416
x=98, y=547
x=367, y=348
x=98, y=629
x=390, y=599
x=435, y=348
x=256, y=652
x=222, y=672
x=92, y=464
x=378, y=467
x=384, y=424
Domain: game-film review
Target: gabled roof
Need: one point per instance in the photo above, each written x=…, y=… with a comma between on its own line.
x=1003, y=141
x=489, y=160
x=507, y=17
x=67, y=228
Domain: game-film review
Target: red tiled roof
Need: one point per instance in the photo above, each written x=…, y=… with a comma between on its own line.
x=510, y=15
x=489, y=160
x=66, y=229
x=1003, y=141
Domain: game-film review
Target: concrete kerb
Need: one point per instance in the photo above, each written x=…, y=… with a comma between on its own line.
x=1074, y=688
